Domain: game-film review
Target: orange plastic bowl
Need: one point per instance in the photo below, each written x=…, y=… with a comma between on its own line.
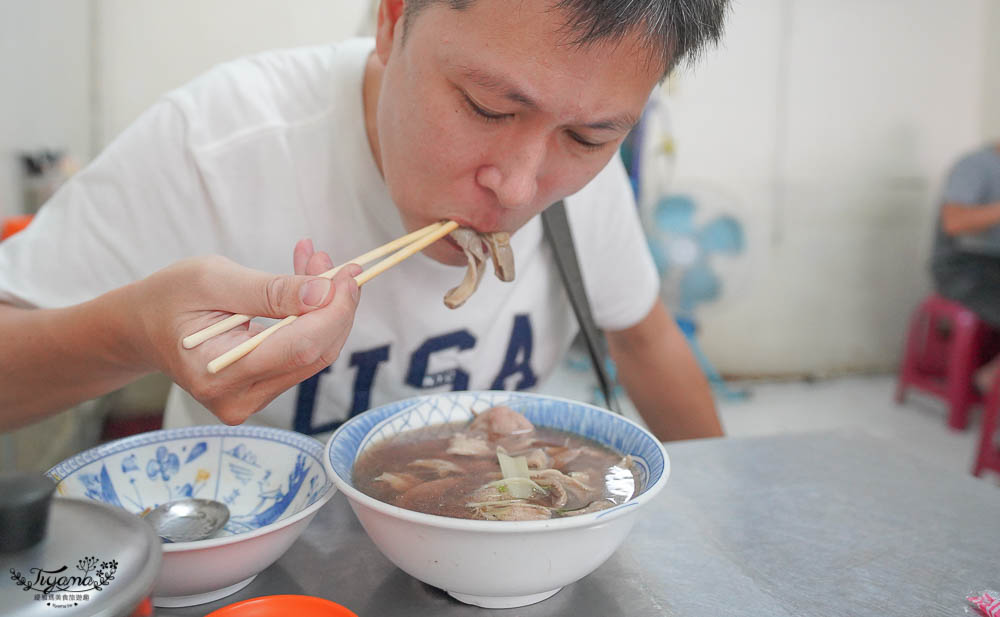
x=280, y=606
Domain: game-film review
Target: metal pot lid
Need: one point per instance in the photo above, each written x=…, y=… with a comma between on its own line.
x=94, y=560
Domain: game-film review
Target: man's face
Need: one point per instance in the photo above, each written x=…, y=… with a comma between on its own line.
x=486, y=117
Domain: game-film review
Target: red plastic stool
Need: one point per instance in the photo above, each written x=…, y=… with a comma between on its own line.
x=988, y=457
x=945, y=345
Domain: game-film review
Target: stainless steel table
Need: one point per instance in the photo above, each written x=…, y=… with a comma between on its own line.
x=829, y=524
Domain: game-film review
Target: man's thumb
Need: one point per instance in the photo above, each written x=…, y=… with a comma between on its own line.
x=295, y=294
x=281, y=296
x=261, y=294
x=315, y=293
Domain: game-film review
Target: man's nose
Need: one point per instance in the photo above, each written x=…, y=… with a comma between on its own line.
x=513, y=177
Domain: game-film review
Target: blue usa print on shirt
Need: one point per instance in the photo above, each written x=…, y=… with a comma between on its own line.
x=515, y=372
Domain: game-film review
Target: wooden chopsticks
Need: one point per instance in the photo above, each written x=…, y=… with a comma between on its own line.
x=404, y=247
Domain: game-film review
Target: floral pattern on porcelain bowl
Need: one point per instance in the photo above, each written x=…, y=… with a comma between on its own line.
x=272, y=480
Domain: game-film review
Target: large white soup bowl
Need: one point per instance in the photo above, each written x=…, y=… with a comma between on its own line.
x=272, y=480
x=496, y=564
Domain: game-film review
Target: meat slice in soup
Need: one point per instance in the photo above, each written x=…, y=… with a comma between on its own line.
x=501, y=421
x=469, y=445
x=517, y=512
x=437, y=465
x=538, y=459
x=497, y=467
x=400, y=482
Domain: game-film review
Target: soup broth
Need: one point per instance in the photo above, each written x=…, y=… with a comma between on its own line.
x=496, y=467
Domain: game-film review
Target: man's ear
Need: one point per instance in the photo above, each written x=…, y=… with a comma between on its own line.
x=390, y=25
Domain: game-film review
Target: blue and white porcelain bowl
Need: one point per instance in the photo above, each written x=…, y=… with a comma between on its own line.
x=496, y=564
x=272, y=480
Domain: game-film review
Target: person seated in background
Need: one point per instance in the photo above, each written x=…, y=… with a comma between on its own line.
x=966, y=259
x=484, y=112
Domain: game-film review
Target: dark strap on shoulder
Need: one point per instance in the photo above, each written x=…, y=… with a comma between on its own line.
x=557, y=232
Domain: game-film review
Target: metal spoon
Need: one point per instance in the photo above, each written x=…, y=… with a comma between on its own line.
x=188, y=520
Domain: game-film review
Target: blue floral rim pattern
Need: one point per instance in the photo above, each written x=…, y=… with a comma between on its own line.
x=305, y=443
x=256, y=471
x=592, y=422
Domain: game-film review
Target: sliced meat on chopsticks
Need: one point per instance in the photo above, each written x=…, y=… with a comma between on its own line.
x=501, y=254
x=476, y=247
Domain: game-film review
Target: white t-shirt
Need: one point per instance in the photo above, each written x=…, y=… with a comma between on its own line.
x=263, y=151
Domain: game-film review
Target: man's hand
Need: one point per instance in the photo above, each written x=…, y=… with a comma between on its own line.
x=195, y=293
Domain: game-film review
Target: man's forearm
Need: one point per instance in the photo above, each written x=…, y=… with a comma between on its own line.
x=663, y=379
x=52, y=359
x=959, y=219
